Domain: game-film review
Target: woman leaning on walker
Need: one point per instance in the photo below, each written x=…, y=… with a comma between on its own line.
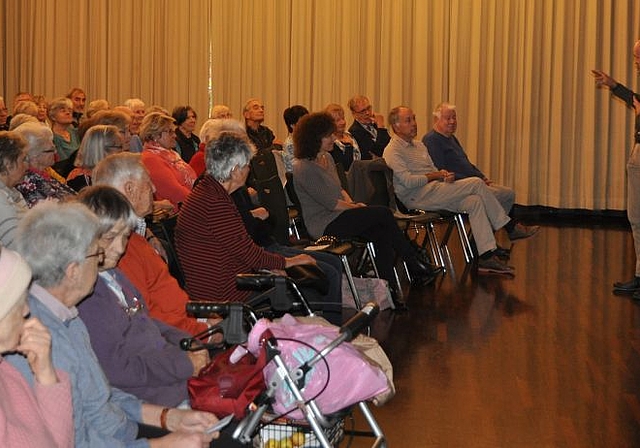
x=329, y=210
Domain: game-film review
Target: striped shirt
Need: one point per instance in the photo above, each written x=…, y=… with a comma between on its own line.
x=213, y=245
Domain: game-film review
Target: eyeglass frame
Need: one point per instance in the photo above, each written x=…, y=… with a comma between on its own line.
x=100, y=254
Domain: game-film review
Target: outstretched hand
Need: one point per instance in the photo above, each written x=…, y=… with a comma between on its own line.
x=603, y=79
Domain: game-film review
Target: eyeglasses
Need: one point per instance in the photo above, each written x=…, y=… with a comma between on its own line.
x=99, y=254
x=365, y=110
x=170, y=131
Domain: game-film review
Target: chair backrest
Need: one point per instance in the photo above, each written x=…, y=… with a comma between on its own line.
x=293, y=196
x=164, y=231
x=271, y=193
x=342, y=175
x=371, y=182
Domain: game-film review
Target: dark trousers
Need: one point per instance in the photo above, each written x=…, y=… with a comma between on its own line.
x=376, y=224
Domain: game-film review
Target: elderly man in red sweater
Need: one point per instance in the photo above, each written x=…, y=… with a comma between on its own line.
x=141, y=263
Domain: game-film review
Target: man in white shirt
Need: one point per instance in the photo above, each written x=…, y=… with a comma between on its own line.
x=419, y=184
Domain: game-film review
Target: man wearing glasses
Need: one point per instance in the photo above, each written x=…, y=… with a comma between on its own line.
x=368, y=128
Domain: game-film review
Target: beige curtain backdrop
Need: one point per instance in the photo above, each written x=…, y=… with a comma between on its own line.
x=518, y=70
x=157, y=50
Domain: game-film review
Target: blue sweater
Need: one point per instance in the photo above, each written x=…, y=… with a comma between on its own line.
x=104, y=417
x=447, y=154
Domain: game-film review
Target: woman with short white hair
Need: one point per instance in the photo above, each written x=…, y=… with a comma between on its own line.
x=98, y=142
x=210, y=130
x=40, y=182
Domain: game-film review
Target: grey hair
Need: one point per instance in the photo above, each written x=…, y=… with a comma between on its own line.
x=393, y=114
x=216, y=126
x=95, y=144
x=228, y=151
x=38, y=136
x=53, y=235
x=437, y=112
x=220, y=111
x=355, y=100
x=96, y=106
x=26, y=107
x=117, y=169
x=132, y=103
x=56, y=104
x=249, y=101
x=20, y=119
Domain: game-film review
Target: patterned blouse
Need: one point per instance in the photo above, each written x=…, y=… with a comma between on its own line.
x=39, y=185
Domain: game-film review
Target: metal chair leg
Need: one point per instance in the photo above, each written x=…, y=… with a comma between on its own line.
x=467, y=249
x=352, y=285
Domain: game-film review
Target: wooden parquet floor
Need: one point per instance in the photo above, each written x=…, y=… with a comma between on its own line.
x=548, y=358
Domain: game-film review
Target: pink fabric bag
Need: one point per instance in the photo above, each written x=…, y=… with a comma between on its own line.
x=351, y=377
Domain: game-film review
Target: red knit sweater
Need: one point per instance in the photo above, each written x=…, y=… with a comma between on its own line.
x=150, y=275
x=213, y=245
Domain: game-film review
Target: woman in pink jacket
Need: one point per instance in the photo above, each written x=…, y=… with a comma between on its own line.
x=30, y=415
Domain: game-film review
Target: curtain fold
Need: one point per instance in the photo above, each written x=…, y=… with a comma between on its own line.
x=157, y=50
x=518, y=70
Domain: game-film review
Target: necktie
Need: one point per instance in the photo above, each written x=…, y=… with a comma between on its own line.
x=372, y=130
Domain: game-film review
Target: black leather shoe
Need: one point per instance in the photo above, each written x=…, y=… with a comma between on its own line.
x=629, y=287
x=502, y=253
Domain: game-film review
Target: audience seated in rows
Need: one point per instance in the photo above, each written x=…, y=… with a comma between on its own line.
x=139, y=354
x=141, y=262
x=60, y=244
x=328, y=209
x=419, y=184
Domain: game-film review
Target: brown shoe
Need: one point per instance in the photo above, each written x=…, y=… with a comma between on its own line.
x=521, y=232
x=493, y=265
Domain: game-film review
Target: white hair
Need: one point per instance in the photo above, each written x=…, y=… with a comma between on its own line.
x=215, y=126
x=53, y=235
x=20, y=119
x=437, y=112
x=38, y=136
x=132, y=103
x=227, y=151
x=117, y=169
